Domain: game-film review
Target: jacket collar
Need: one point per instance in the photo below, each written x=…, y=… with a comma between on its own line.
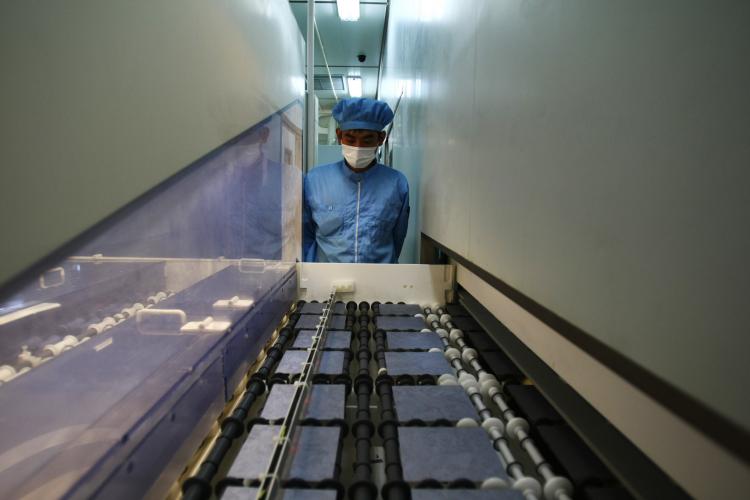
x=357, y=176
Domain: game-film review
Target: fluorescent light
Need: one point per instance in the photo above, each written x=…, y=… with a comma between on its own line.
x=348, y=10
x=355, y=86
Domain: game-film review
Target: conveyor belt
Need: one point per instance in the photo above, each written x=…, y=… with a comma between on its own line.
x=404, y=406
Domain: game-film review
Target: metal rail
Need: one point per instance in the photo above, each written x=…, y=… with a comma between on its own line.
x=280, y=462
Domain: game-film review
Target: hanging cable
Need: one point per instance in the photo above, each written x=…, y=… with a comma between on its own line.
x=325, y=60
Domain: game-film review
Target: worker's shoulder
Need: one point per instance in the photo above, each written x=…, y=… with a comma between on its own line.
x=325, y=170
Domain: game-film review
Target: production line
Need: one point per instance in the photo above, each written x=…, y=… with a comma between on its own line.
x=401, y=405
x=236, y=380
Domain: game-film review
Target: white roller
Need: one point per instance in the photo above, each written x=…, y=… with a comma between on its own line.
x=7, y=373
x=94, y=329
x=556, y=485
x=27, y=358
x=97, y=328
x=132, y=310
x=494, y=483
x=493, y=423
x=467, y=380
x=447, y=379
x=456, y=334
x=107, y=323
x=528, y=485
x=472, y=389
x=451, y=354
x=468, y=355
x=516, y=424
x=68, y=342
x=490, y=388
x=467, y=422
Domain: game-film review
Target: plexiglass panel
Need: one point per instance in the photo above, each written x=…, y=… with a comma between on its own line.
x=154, y=320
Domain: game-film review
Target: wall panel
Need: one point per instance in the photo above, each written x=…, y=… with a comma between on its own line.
x=594, y=156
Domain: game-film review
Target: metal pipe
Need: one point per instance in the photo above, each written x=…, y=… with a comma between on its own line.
x=311, y=127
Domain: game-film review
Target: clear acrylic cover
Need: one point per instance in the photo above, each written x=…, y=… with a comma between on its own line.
x=150, y=322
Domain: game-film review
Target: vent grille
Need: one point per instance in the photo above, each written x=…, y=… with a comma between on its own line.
x=324, y=83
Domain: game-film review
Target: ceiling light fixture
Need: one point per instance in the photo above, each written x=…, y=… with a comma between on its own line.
x=348, y=10
x=355, y=86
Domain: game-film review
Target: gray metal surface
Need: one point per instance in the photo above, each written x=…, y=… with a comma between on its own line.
x=334, y=340
x=448, y=454
x=314, y=458
x=413, y=340
x=399, y=323
x=317, y=308
x=432, y=402
x=481, y=341
x=451, y=494
x=416, y=363
x=466, y=324
x=326, y=402
x=242, y=493
x=310, y=322
x=400, y=309
x=331, y=362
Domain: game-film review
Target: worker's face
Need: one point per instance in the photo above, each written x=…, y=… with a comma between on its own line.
x=360, y=138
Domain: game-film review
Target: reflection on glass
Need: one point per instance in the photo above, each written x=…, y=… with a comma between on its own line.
x=94, y=344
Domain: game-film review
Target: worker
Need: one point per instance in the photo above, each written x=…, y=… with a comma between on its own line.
x=356, y=210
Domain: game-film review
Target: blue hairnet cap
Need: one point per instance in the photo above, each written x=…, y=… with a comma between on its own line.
x=362, y=113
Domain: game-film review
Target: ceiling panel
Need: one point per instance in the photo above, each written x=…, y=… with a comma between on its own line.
x=343, y=41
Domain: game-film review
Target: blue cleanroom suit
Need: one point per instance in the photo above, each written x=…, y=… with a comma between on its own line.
x=354, y=217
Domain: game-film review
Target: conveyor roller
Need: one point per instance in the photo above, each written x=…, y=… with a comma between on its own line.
x=421, y=413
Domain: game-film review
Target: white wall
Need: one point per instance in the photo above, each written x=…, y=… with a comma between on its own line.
x=595, y=156
x=102, y=100
x=328, y=154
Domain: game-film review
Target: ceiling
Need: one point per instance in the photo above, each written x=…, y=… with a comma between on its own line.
x=343, y=41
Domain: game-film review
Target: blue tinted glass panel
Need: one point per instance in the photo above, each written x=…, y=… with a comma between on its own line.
x=148, y=326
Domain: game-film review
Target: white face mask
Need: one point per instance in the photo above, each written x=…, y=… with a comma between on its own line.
x=358, y=157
